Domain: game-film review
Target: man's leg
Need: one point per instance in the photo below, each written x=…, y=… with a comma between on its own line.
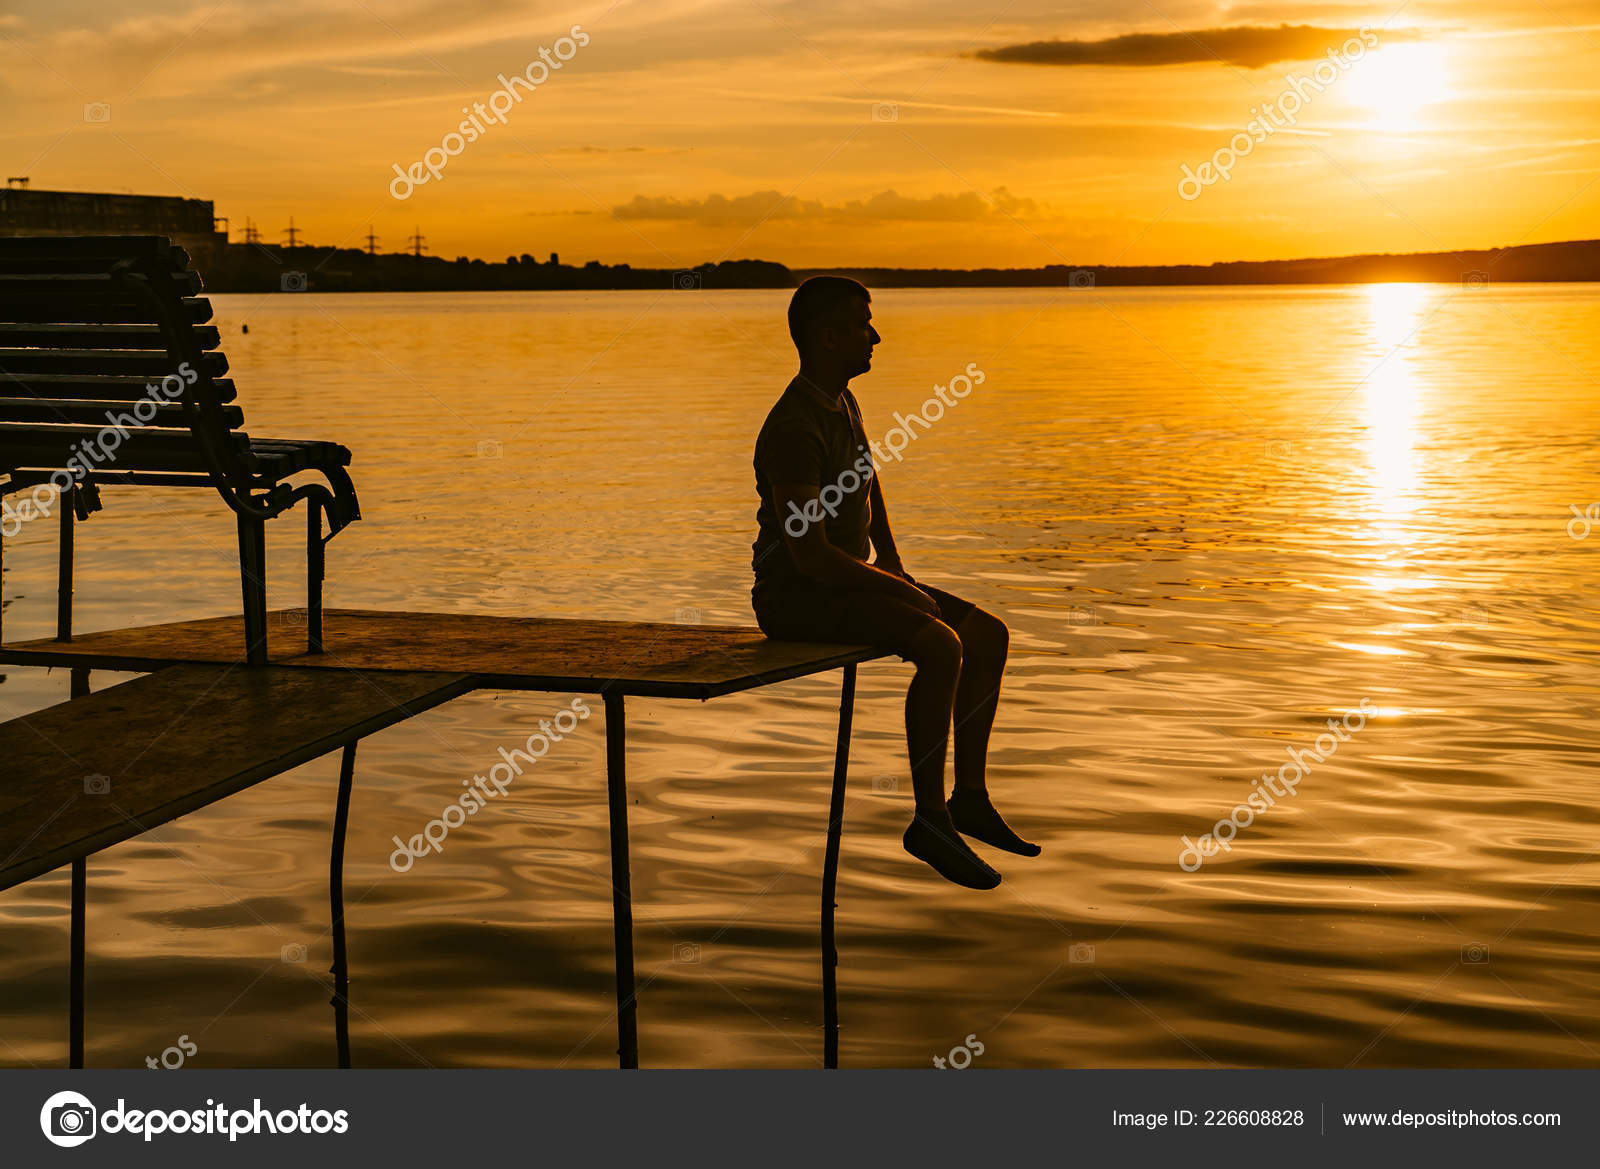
x=935, y=650
x=930, y=699
x=984, y=642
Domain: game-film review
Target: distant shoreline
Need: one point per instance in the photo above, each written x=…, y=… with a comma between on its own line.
x=255, y=268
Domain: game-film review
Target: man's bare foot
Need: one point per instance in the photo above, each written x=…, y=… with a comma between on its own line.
x=949, y=855
x=972, y=813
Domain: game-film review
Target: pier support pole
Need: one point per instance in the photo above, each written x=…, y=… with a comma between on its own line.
x=830, y=875
x=80, y=883
x=64, y=568
x=253, y=579
x=621, y=895
x=79, y=687
x=341, y=957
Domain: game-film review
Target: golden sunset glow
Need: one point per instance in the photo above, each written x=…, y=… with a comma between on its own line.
x=1396, y=84
x=819, y=134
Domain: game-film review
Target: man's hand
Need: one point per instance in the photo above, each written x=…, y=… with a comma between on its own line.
x=918, y=599
x=891, y=565
x=913, y=594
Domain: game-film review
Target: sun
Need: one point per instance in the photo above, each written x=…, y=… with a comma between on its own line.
x=1395, y=83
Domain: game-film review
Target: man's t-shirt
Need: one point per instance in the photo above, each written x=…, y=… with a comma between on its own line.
x=805, y=442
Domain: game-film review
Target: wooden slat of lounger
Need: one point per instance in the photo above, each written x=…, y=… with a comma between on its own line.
x=176, y=741
x=100, y=336
x=511, y=653
x=111, y=247
x=89, y=309
x=97, y=414
x=67, y=362
x=42, y=445
x=91, y=284
x=87, y=387
x=175, y=259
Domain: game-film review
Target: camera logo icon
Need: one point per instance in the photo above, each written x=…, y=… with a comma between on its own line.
x=687, y=280
x=1475, y=954
x=688, y=616
x=1475, y=280
x=489, y=448
x=885, y=785
x=686, y=951
x=67, y=1119
x=293, y=954
x=885, y=111
x=292, y=282
x=1080, y=953
x=1080, y=278
x=97, y=111
x=96, y=785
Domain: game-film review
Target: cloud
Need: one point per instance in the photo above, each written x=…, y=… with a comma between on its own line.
x=1251, y=46
x=759, y=206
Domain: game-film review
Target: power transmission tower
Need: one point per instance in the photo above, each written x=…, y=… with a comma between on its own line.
x=372, y=242
x=416, y=242
x=251, y=235
x=294, y=234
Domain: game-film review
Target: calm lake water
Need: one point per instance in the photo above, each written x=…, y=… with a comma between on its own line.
x=1214, y=519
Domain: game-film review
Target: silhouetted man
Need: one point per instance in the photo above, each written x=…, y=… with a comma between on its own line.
x=821, y=509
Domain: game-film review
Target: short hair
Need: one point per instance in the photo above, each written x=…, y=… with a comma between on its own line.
x=817, y=299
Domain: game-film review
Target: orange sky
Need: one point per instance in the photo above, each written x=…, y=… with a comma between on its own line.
x=827, y=133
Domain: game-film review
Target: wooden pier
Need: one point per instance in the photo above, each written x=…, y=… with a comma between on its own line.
x=203, y=724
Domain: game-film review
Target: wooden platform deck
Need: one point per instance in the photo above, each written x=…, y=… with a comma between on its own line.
x=203, y=724
x=502, y=653
x=94, y=771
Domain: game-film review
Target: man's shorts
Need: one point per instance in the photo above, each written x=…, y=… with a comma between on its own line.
x=803, y=611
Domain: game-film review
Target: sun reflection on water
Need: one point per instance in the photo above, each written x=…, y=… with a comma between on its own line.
x=1392, y=391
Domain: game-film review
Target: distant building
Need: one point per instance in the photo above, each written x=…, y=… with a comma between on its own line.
x=191, y=223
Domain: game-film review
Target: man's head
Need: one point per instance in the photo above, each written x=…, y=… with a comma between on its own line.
x=830, y=319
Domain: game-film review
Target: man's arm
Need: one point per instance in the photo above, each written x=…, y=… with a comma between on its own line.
x=827, y=565
x=887, y=555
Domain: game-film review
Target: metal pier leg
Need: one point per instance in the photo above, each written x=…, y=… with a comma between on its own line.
x=253, y=578
x=80, y=885
x=64, y=569
x=316, y=566
x=80, y=882
x=621, y=897
x=341, y=963
x=830, y=875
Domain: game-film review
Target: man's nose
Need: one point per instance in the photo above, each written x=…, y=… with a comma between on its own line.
x=875, y=338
